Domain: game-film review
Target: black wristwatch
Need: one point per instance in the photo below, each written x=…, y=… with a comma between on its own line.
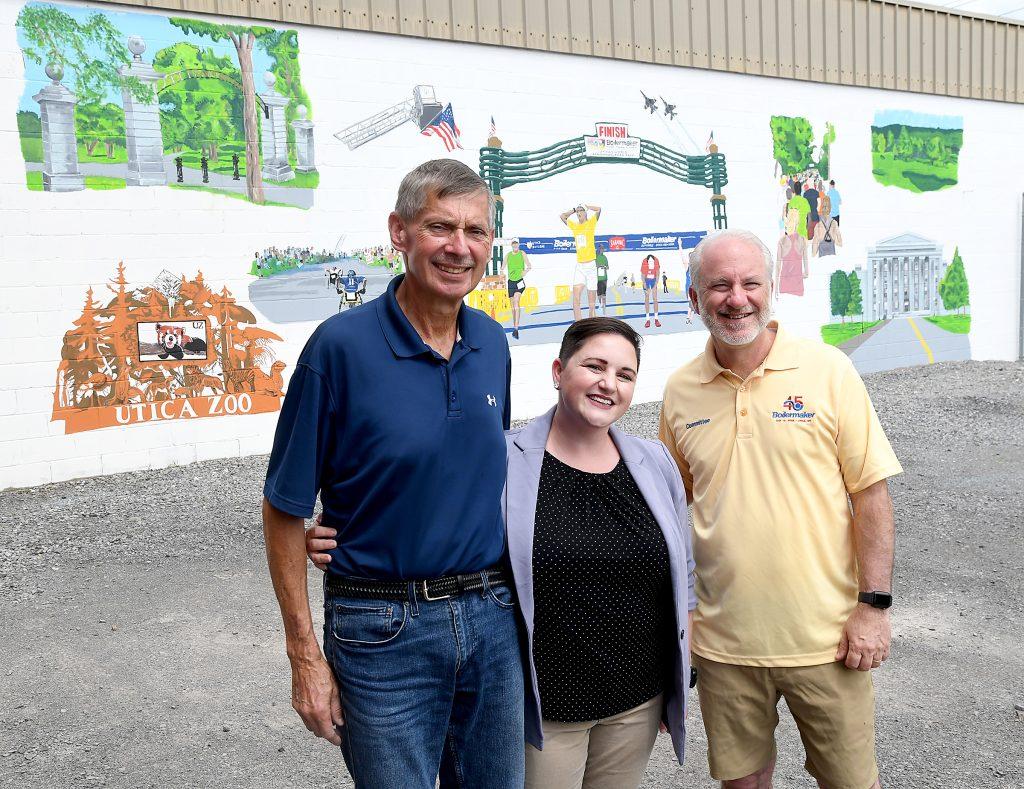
x=875, y=599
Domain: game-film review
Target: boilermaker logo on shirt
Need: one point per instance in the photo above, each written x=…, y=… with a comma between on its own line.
x=794, y=410
x=698, y=423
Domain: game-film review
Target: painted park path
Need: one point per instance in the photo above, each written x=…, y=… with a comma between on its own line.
x=904, y=342
x=300, y=198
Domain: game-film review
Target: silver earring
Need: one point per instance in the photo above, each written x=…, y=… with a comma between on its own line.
x=556, y=384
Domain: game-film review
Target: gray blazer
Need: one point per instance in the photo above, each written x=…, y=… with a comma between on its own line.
x=658, y=479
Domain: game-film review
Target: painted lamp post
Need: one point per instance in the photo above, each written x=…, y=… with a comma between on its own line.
x=304, y=151
x=142, y=122
x=60, y=143
x=274, y=133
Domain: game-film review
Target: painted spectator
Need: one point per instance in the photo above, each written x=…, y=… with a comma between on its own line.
x=826, y=235
x=785, y=463
x=835, y=199
x=791, y=264
x=796, y=201
x=422, y=672
x=811, y=196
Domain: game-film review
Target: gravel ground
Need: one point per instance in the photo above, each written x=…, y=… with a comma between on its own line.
x=140, y=644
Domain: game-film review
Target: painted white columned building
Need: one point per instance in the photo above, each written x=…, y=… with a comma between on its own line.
x=902, y=278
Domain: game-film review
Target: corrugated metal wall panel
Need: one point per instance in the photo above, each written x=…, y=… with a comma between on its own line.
x=879, y=43
x=769, y=38
x=700, y=42
x=580, y=22
x=559, y=31
x=832, y=42
x=513, y=23
x=662, y=24
x=601, y=22
x=643, y=32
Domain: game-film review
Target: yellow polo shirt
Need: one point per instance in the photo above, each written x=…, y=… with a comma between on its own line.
x=769, y=462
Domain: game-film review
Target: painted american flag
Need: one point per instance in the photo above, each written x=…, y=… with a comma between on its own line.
x=443, y=126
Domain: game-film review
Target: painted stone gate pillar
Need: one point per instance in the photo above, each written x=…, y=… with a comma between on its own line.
x=142, y=122
x=275, y=134
x=304, y=152
x=60, y=143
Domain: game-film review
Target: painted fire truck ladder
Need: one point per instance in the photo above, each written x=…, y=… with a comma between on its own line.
x=422, y=108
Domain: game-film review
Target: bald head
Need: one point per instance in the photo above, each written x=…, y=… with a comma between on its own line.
x=724, y=246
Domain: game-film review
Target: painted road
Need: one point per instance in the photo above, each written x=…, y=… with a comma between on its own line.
x=905, y=342
x=303, y=294
x=546, y=323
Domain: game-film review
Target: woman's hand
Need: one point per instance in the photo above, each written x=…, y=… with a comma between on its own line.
x=319, y=540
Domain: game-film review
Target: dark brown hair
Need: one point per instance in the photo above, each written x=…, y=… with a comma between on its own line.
x=582, y=330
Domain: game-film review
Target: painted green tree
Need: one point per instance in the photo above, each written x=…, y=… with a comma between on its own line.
x=839, y=294
x=199, y=113
x=243, y=37
x=793, y=143
x=55, y=36
x=953, y=287
x=100, y=123
x=283, y=48
x=915, y=158
x=856, y=305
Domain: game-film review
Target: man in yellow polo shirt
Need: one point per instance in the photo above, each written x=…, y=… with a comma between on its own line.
x=585, y=274
x=775, y=437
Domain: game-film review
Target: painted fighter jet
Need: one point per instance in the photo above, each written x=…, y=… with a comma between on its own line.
x=670, y=109
x=649, y=103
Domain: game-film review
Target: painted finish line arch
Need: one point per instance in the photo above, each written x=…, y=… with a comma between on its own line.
x=611, y=144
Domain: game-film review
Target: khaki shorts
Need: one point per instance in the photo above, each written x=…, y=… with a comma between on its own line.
x=833, y=706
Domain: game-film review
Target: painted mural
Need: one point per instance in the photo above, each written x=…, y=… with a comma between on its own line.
x=220, y=108
x=606, y=173
x=916, y=151
x=174, y=349
x=905, y=306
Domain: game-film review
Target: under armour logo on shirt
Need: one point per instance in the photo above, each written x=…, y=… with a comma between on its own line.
x=492, y=401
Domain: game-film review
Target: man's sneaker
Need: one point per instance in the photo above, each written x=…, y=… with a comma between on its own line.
x=657, y=323
x=647, y=325
x=515, y=334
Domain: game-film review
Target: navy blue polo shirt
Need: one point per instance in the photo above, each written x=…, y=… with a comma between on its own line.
x=406, y=448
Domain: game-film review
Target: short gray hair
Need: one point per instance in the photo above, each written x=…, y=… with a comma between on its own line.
x=439, y=178
x=697, y=256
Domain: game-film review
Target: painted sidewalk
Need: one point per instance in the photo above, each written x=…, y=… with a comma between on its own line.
x=897, y=344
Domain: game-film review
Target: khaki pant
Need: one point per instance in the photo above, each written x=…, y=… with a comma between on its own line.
x=611, y=753
x=834, y=710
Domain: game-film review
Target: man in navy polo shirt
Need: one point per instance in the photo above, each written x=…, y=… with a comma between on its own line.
x=394, y=415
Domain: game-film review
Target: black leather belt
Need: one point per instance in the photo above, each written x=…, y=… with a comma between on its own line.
x=434, y=589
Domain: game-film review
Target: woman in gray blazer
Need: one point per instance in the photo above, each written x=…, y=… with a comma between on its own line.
x=600, y=551
x=599, y=547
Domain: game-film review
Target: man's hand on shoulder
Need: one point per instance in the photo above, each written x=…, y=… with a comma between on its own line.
x=866, y=636
x=319, y=540
x=315, y=697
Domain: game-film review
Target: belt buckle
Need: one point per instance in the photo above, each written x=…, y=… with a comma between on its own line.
x=426, y=594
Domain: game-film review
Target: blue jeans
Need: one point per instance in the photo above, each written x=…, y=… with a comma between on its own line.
x=429, y=688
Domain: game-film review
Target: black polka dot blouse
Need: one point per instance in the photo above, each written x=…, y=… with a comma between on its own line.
x=603, y=618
